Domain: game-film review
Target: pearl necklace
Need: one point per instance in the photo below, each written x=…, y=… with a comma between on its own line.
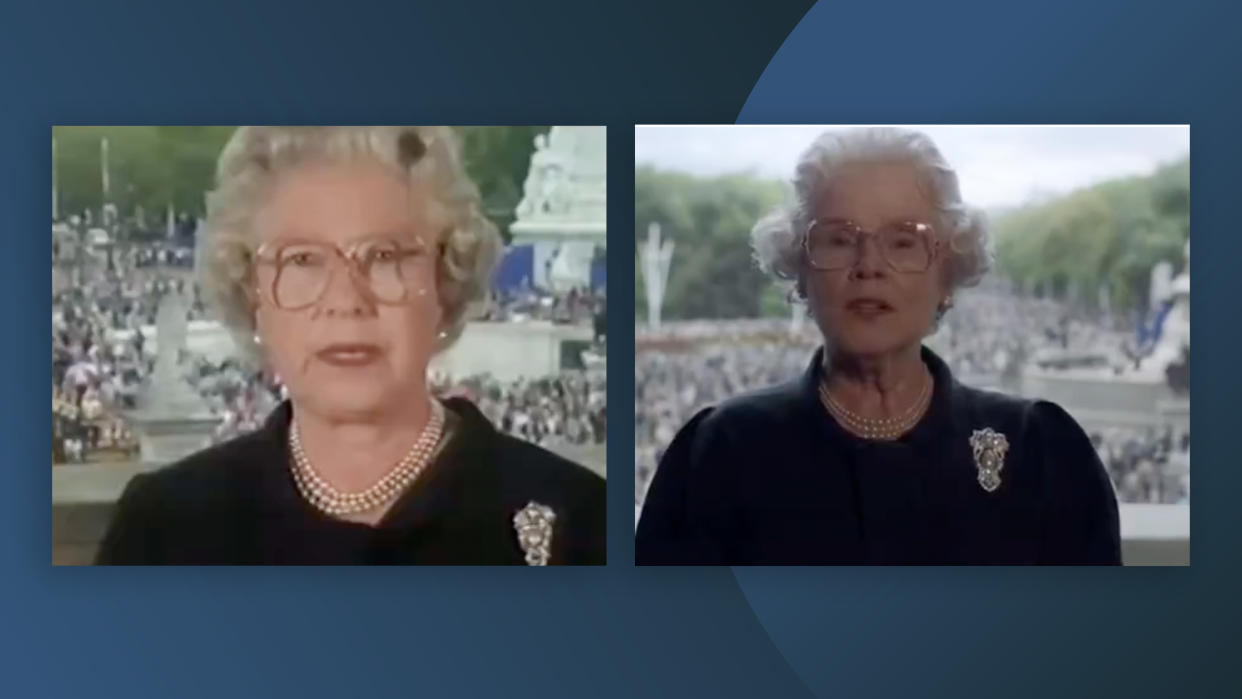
x=329, y=500
x=877, y=428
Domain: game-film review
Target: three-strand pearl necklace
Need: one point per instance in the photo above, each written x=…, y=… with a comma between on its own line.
x=330, y=500
x=878, y=428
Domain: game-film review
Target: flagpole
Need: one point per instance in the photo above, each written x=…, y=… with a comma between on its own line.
x=103, y=165
x=55, y=204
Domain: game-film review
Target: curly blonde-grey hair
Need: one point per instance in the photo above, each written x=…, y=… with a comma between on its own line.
x=777, y=239
x=254, y=158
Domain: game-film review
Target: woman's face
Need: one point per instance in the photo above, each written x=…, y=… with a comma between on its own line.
x=347, y=354
x=868, y=308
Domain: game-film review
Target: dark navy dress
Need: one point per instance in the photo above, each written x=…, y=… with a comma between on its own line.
x=770, y=478
x=236, y=503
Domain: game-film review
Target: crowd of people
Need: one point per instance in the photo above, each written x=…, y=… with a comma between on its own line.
x=239, y=396
x=1146, y=464
x=576, y=306
x=993, y=333
x=568, y=408
x=986, y=339
x=97, y=382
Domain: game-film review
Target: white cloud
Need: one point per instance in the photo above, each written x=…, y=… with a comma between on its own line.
x=997, y=165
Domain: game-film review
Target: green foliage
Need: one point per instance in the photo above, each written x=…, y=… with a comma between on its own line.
x=709, y=220
x=154, y=166
x=774, y=301
x=148, y=166
x=1111, y=233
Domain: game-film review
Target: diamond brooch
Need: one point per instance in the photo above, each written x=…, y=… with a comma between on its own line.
x=989, y=447
x=533, y=525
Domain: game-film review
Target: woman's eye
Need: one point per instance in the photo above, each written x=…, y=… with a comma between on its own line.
x=302, y=259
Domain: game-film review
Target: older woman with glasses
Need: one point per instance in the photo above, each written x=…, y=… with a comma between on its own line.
x=876, y=454
x=343, y=259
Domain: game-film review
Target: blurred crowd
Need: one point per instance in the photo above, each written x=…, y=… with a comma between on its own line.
x=103, y=293
x=577, y=306
x=568, y=408
x=1146, y=464
x=994, y=333
x=121, y=295
x=986, y=339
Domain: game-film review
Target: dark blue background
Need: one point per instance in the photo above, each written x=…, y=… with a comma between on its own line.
x=618, y=631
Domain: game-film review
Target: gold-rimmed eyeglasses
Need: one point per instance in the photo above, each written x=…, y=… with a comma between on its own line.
x=296, y=273
x=906, y=246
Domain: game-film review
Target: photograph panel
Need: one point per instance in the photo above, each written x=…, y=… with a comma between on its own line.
x=343, y=345
x=944, y=344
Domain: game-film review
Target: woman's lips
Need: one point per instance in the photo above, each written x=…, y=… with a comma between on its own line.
x=349, y=355
x=868, y=307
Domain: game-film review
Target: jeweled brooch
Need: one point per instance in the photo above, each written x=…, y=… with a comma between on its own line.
x=989, y=447
x=533, y=525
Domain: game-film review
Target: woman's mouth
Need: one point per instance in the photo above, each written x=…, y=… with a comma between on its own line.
x=349, y=355
x=868, y=307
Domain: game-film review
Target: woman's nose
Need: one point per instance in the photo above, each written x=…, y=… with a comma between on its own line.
x=868, y=260
x=347, y=293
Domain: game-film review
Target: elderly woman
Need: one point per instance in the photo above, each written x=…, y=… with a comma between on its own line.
x=345, y=258
x=876, y=454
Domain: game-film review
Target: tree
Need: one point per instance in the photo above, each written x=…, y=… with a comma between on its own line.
x=1109, y=234
x=148, y=166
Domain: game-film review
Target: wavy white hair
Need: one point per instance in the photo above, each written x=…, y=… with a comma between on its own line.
x=254, y=158
x=777, y=239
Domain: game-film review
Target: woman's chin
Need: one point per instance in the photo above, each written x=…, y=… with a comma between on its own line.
x=353, y=397
x=868, y=345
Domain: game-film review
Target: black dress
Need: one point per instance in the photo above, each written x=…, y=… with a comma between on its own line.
x=770, y=478
x=236, y=503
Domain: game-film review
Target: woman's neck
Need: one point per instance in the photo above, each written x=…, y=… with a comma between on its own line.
x=352, y=453
x=879, y=386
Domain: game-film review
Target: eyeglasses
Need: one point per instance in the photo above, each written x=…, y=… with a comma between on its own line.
x=296, y=273
x=906, y=246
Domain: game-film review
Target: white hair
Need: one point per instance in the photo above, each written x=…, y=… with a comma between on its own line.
x=255, y=156
x=777, y=238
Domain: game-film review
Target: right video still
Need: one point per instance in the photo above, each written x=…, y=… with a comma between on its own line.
x=912, y=345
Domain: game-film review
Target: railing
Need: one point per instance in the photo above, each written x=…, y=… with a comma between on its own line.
x=1155, y=534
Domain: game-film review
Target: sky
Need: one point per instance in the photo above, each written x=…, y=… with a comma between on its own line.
x=997, y=166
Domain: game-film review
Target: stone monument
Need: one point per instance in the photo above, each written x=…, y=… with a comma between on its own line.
x=172, y=420
x=564, y=207
x=1105, y=396
x=1175, y=330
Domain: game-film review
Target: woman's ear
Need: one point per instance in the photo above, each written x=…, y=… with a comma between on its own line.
x=947, y=269
x=800, y=287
